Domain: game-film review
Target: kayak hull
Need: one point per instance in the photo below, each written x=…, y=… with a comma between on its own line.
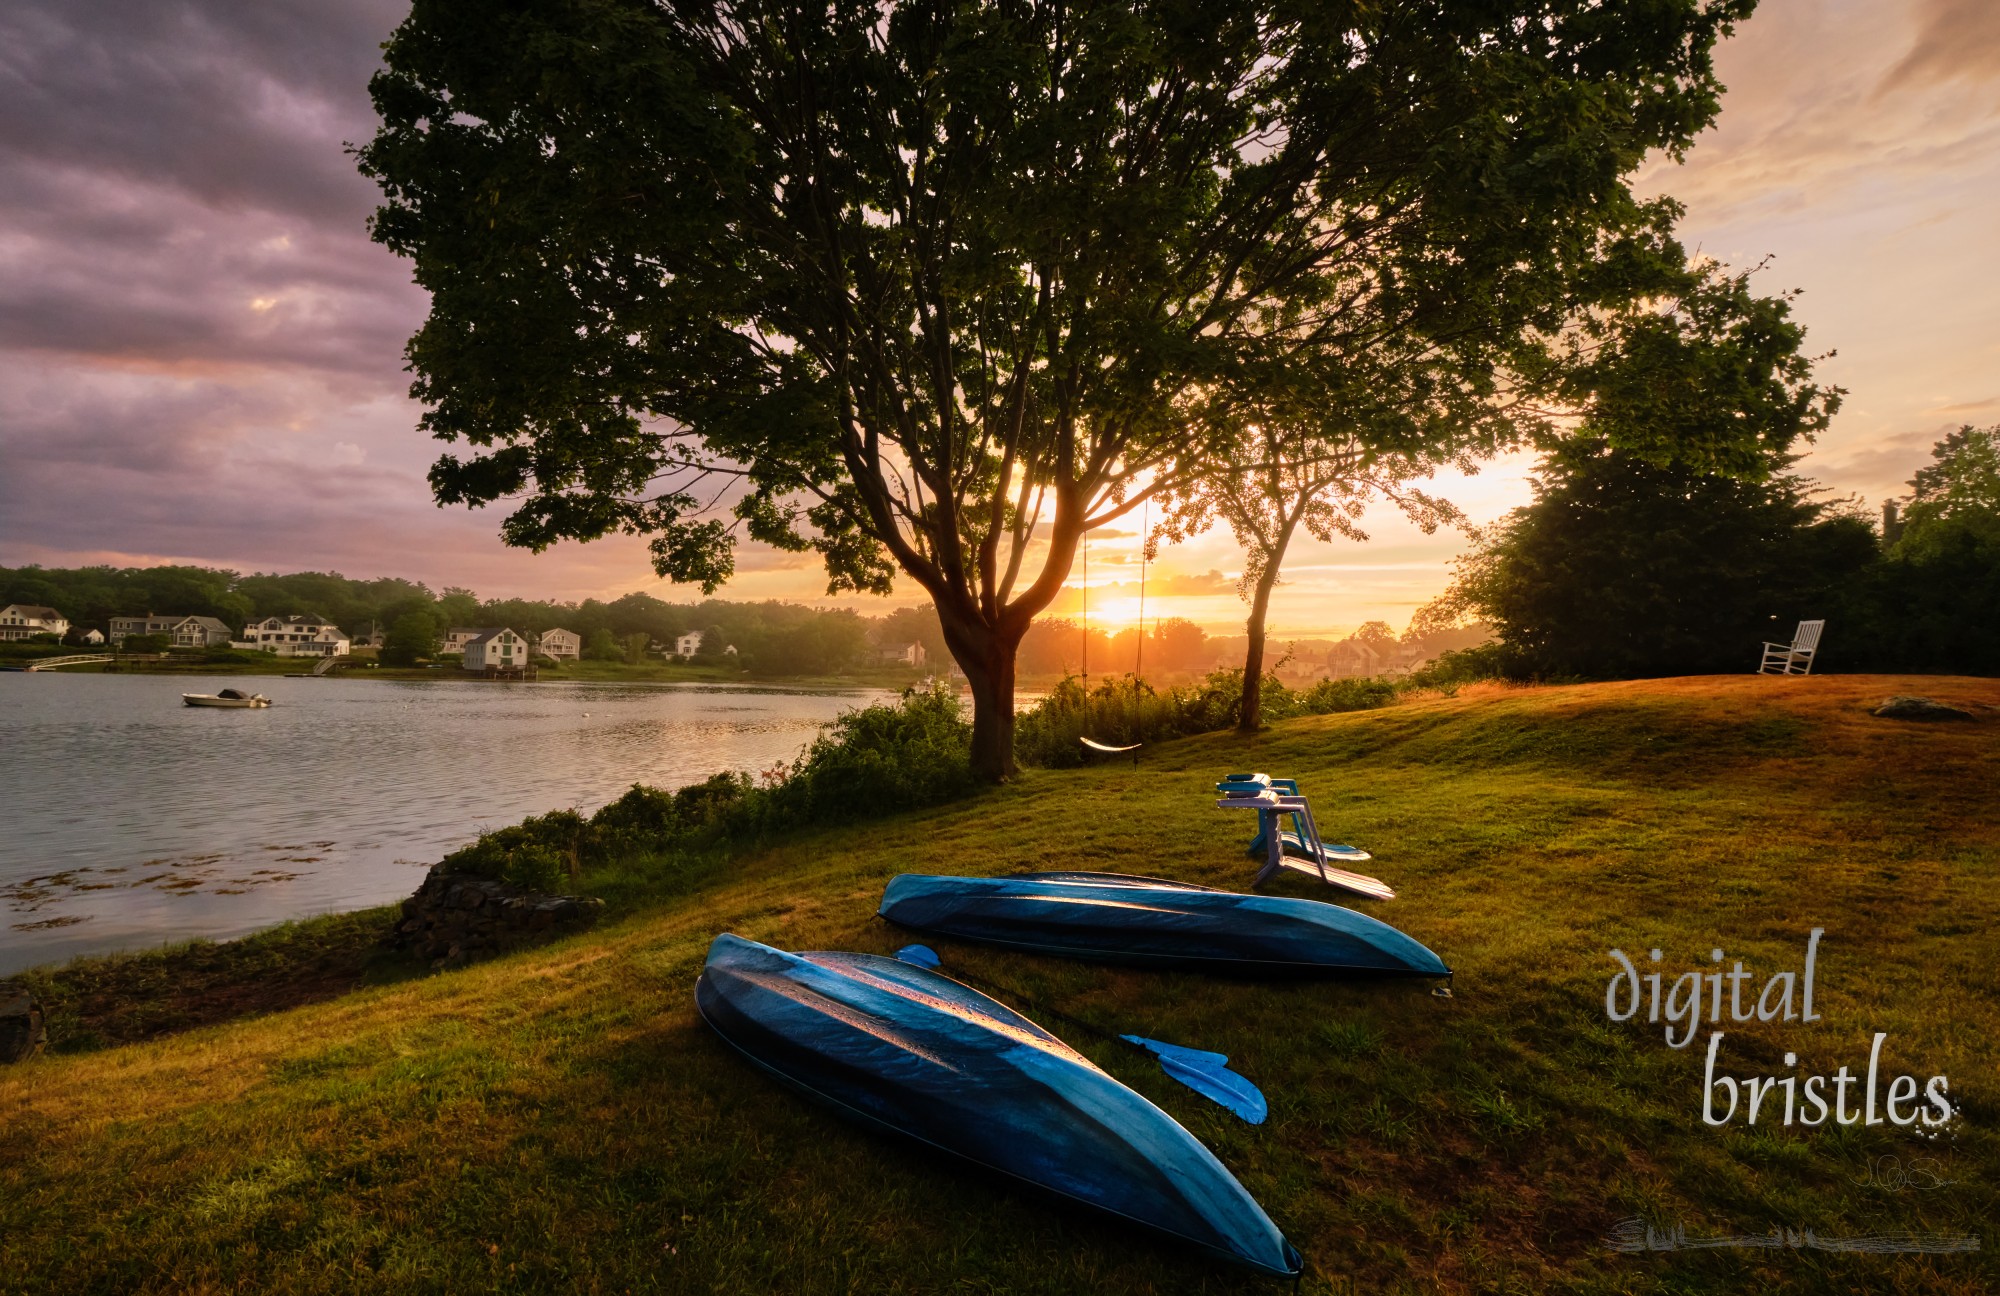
x=906, y=1050
x=1115, y=918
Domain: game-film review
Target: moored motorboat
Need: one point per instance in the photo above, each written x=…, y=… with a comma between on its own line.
x=228, y=697
x=904, y=1049
x=1118, y=918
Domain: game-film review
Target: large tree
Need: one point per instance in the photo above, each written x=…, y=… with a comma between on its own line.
x=941, y=286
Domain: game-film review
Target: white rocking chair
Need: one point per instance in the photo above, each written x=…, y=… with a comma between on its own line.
x=1796, y=657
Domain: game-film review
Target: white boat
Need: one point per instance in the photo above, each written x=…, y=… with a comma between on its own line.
x=226, y=698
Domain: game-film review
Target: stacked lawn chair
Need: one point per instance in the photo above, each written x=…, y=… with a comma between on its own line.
x=1299, y=847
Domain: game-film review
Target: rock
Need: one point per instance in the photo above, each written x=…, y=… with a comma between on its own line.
x=1919, y=708
x=454, y=919
x=23, y=1030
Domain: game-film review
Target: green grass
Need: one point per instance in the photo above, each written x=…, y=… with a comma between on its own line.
x=560, y=1120
x=94, y=1003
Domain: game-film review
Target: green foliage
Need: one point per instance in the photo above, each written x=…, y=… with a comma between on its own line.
x=146, y=643
x=715, y=800
x=602, y=645
x=539, y=853
x=29, y=649
x=1329, y=696
x=1622, y=567
x=232, y=657
x=413, y=638
x=1123, y=711
x=1954, y=504
x=879, y=759
x=1933, y=610
x=823, y=645
x=1931, y=602
x=714, y=645
x=1457, y=666
x=642, y=819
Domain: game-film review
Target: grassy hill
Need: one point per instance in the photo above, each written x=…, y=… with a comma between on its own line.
x=561, y=1120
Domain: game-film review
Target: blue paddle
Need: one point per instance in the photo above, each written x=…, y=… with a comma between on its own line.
x=1206, y=1073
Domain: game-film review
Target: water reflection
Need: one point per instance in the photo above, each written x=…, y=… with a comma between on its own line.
x=133, y=820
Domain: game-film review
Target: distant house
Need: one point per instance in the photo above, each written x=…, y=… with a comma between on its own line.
x=457, y=637
x=907, y=654
x=690, y=643
x=1352, y=658
x=181, y=631
x=562, y=645
x=26, y=620
x=297, y=636
x=496, y=650
x=93, y=637
x=1406, y=659
x=374, y=637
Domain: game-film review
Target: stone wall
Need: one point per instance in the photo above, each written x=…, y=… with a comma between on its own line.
x=454, y=919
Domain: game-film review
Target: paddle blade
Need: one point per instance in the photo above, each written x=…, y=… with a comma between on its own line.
x=922, y=956
x=1160, y=1048
x=1207, y=1074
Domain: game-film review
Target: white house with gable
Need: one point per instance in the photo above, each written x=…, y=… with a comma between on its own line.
x=496, y=650
x=297, y=636
x=26, y=620
x=559, y=644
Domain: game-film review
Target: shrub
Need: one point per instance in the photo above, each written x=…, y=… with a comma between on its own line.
x=1356, y=694
x=644, y=817
x=699, y=805
x=537, y=854
x=916, y=752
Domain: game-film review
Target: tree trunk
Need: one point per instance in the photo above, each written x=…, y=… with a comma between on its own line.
x=986, y=655
x=1249, y=716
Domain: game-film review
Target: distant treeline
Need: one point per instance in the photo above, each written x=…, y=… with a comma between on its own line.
x=770, y=637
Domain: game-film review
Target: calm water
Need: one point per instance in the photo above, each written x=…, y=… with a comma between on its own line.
x=128, y=819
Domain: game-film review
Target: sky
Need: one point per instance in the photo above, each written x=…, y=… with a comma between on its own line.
x=200, y=349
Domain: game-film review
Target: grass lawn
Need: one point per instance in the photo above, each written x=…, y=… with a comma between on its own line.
x=560, y=1120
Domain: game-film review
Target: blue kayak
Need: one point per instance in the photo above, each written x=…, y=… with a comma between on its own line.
x=1124, y=919
x=904, y=1049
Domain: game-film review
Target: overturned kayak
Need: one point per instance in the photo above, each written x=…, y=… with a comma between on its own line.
x=1124, y=919
x=905, y=1049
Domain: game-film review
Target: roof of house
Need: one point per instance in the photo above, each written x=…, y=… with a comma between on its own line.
x=33, y=610
x=484, y=635
x=210, y=622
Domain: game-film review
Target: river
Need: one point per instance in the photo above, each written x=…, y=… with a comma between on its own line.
x=128, y=820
